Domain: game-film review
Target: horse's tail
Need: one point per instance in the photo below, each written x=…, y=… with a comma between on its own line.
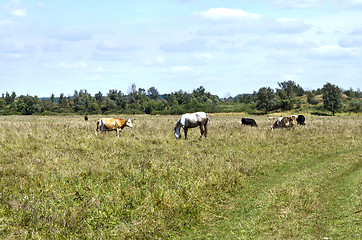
x=97, y=129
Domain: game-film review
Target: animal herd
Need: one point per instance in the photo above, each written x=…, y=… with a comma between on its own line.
x=192, y=120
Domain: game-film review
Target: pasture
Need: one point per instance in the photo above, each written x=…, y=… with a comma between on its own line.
x=58, y=180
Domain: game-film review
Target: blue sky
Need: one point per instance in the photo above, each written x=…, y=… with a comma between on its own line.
x=229, y=47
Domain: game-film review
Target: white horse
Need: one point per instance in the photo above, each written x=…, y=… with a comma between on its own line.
x=191, y=120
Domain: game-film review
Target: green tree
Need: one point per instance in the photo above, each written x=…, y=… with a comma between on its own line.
x=311, y=98
x=153, y=93
x=265, y=99
x=132, y=93
x=287, y=94
x=356, y=106
x=332, y=98
x=349, y=93
x=28, y=105
x=62, y=101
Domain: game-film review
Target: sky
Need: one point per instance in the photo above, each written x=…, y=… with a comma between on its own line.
x=229, y=47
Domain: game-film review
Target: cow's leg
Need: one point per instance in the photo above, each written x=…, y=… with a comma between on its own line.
x=205, y=130
x=99, y=127
x=118, y=132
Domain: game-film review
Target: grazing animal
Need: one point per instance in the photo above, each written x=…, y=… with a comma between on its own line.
x=284, y=122
x=191, y=120
x=86, y=117
x=301, y=120
x=248, y=121
x=113, y=124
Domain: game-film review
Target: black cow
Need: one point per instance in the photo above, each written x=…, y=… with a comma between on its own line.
x=301, y=120
x=248, y=121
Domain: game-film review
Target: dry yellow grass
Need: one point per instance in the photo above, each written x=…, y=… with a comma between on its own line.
x=59, y=180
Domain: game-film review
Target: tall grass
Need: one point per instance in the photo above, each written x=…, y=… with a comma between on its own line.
x=59, y=180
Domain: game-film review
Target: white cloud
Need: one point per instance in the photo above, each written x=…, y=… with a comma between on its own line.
x=52, y=47
x=335, y=52
x=181, y=69
x=357, y=31
x=78, y=65
x=72, y=35
x=350, y=42
x=296, y=3
x=114, y=46
x=284, y=43
x=233, y=21
x=16, y=50
x=16, y=47
x=19, y=13
x=288, y=26
x=160, y=59
x=196, y=44
x=4, y=23
x=226, y=14
x=259, y=26
x=352, y=3
x=203, y=56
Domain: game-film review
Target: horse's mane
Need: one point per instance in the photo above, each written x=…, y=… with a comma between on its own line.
x=177, y=123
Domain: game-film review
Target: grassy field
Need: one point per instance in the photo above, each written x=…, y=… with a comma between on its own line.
x=58, y=180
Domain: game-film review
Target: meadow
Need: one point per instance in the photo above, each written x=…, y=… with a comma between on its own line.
x=60, y=181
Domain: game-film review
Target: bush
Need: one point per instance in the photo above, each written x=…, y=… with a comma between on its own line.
x=356, y=106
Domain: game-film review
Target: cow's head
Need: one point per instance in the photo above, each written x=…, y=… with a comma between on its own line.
x=292, y=120
x=129, y=123
x=285, y=121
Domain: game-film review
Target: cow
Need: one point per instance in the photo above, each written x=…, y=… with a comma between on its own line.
x=248, y=121
x=86, y=117
x=112, y=124
x=284, y=122
x=300, y=119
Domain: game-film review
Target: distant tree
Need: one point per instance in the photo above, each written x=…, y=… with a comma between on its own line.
x=98, y=96
x=132, y=93
x=113, y=94
x=287, y=94
x=121, y=100
x=299, y=91
x=10, y=98
x=182, y=97
x=358, y=93
x=52, y=98
x=109, y=105
x=265, y=99
x=141, y=96
x=62, y=101
x=356, y=106
x=349, y=93
x=153, y=93
x=311, y=98
x=94, y=108
x=82, y=100
x=332, y=98
x=244, y=98
x=28, y=105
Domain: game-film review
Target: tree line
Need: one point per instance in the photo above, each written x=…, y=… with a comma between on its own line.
x=289, y=96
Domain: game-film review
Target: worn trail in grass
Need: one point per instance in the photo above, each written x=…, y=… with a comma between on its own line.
x=303, y=196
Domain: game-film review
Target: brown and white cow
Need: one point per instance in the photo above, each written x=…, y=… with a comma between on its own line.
x=113, y=124
x=282, y=122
